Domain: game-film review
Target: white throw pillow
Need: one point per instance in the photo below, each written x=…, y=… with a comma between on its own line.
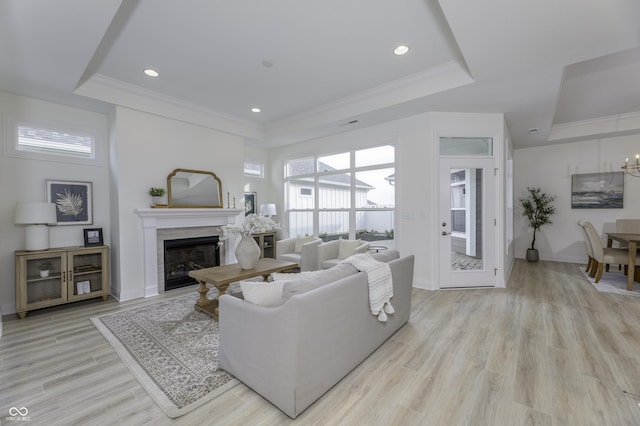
x=300, y=241
x=346, y=248
x=261, y=293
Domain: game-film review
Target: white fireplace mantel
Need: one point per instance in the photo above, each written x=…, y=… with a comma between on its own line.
x=154, y=219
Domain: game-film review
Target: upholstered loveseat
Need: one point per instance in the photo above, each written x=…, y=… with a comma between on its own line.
x=293, y=353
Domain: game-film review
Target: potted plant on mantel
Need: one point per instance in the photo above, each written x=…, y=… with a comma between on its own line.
x=538, y=207
x=156, y=195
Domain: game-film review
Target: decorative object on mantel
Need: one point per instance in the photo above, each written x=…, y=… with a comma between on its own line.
x=632, y=169
x=37, y=216
x=194, y=189
x=247, y=251
x=538, y=208
x=172, y=350
x=156, y=196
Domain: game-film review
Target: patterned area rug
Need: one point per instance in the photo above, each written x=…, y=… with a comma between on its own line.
x=172, y=350
x=613, y=281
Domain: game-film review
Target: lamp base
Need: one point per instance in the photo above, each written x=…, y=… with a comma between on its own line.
x=36, y=237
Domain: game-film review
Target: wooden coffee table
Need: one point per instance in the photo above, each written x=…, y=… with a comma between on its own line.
x=222, y=276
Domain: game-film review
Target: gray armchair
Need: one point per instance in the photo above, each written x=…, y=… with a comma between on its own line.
x=302, y=250
x=333, y=252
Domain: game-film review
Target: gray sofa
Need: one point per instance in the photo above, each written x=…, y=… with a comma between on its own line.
x=293, y=353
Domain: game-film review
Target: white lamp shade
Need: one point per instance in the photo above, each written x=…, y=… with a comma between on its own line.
x=35, y=213
x=268, y=209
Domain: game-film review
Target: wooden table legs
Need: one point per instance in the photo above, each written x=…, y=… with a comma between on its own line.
x=206, y=305
x=633, y=249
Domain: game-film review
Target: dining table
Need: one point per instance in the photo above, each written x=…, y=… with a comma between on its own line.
x=631, y=241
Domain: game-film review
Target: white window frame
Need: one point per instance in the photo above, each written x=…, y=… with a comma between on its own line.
x=12, y=149
x=255, y=163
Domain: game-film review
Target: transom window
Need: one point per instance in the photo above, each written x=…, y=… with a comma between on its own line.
x=342, y=195
x=36, y=141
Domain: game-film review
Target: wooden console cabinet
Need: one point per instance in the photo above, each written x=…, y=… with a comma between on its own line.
x=75, y=273
x=267, y=243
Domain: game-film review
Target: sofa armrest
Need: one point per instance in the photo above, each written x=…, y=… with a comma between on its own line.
x=362, y=248
x=309, y=256
x=258, y=346
x=328, y=250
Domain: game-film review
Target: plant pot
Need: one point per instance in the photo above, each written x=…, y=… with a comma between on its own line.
x=44, y=274
x=532, y=255
x=247, y=253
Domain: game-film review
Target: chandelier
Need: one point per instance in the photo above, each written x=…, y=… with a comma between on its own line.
x=632, y=169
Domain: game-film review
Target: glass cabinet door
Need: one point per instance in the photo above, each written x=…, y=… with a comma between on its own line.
x=45, y=279
x=86, y=274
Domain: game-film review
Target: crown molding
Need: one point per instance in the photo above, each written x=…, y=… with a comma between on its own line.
x=609, y=126
x=117, y=92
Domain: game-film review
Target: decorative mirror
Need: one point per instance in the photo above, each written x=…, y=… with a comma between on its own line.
x=194, y=188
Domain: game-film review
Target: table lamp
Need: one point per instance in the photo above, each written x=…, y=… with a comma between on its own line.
x=268, y=210
x=36, y=215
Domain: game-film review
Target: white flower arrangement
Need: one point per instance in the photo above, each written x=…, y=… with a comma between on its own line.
x=253, y=224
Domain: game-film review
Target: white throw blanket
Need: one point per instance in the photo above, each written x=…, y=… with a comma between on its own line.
x=380, y=283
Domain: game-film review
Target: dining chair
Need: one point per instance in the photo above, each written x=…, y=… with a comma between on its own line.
x=628, y=226
x=604, y=255
x=590, y=261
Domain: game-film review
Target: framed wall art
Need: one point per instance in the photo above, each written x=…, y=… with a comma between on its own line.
x=93, y=237
x=73, y=201
x=597, y=190
x=250, y=203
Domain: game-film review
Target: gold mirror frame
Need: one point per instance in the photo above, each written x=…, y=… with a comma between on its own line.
x=205, y=193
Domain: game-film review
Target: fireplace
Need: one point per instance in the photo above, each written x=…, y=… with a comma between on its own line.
x=188, y=254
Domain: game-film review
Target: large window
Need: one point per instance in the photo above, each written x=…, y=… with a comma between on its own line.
x=348, y=194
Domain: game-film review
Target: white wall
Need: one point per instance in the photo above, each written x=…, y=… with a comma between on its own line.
x=145, y=149
x=24, y=180
x=550, y=168
x=415, y=139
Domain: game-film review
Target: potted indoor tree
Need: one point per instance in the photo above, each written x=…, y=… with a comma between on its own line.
x=538, y=207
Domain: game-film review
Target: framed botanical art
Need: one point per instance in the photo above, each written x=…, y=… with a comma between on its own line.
x=249, y=203
x=597, y=190
x=73, y=201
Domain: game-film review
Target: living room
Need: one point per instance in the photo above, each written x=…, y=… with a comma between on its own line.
x=141, y=137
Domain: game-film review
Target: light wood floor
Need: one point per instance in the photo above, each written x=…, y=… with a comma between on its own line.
x=548, y=350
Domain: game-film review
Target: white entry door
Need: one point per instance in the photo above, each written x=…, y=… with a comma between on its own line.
x=467, y=227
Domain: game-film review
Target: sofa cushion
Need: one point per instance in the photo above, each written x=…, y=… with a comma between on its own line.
x=291, y=257
x=307, y=281
x=346, y=248
x=262, y=293
x=300, y=241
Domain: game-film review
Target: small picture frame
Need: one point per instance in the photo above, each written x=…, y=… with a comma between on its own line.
x=83, y=287
x=92, y=237
x=250, y=203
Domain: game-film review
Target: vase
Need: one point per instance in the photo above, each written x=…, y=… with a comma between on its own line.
x=532, y=255
x=247, y=253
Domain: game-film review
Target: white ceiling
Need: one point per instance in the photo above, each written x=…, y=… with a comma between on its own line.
x=541, y=63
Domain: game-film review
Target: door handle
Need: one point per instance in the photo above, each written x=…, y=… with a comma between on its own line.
x=445, y=233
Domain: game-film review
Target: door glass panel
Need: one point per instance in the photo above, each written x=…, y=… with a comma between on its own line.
x=466, y=219
x=468, y=147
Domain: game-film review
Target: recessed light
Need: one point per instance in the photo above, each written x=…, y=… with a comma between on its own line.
x=401, y=50
x=255, y=109
x=151, y=73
